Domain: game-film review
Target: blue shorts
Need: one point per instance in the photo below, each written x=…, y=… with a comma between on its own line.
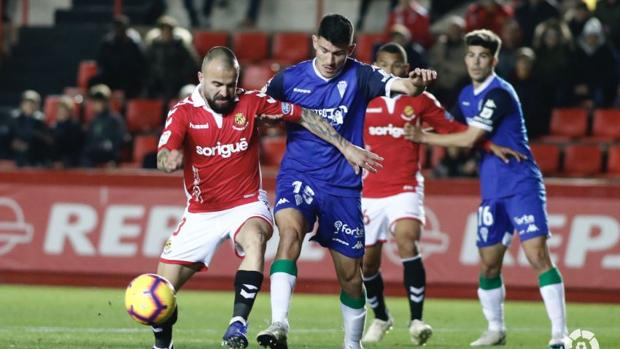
x=341, y=226
x=498, y=219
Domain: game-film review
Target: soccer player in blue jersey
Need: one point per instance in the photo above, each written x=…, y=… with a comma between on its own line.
x=513, y=193
x=316, y=183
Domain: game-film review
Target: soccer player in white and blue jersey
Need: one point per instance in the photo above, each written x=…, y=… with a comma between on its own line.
x=513, y=193
x=316, y=183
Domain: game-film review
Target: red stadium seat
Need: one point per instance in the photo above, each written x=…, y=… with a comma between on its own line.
x=251, y=46
x=365, y=44
x=255, y=76
x=613, y=160
x=273, y=150
x=143, y=145
x=144, y=115
x=567, y=123
x=437, y=154
x=290, y=47
x=86, y=70
x=581, y=160
x=606, y=124
x=547, y=156
x=204, y=41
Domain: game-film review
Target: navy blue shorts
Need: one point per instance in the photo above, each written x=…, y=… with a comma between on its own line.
x=498, y=219
x=341, y=226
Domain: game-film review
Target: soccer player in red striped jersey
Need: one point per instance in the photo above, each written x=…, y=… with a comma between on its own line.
x=212, y=135
x=393, y=200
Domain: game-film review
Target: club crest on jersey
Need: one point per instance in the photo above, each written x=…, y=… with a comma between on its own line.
x=287, y=108
x=342, y=87
x=408, y=113
x=241, y=122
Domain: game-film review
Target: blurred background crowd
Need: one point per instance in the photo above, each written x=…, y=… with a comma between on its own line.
x=96, y=95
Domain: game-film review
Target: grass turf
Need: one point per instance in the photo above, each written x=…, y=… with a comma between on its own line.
x=83, y=318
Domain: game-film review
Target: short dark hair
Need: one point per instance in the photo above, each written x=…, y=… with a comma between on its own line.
x=336, y=29
x=393, y=48
x=223, y=53
x=484, y=38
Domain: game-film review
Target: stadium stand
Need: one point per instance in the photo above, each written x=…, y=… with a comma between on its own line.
x=606, y=124
x=144, y=115
x=567, y=124
x=547, y=156
x=205, y=40
x=255, y=76
x=365, y=44
x=290, y=48
x=142, y=146
x=613, y=160
x=251, y=46
x=86, y=70
x=582, y=160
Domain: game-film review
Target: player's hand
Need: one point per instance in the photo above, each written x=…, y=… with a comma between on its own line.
x=505, y=153
x=169, y=160
x=414, y=133
x=422, y=77
x=360, y=158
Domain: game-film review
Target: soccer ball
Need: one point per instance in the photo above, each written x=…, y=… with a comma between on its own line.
x=150, y=299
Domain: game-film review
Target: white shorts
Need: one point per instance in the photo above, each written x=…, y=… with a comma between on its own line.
x=198, y=235
x=381, y=214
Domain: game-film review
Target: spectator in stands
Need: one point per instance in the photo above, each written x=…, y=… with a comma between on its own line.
x=554, y=48
x=363, y=11
x=121, y=63
x=415, y=52
x=68, y=134
x=608, y=12
x=536, y=108
x=172, y=63
x=511, y=41
x=106, y=133
x=530, y=13
x=248, y=22
x=447, y=58
x=415, y=18
x=595, y=80
x=457, y=162
x=576, y=18
x=177, y=31
x=31, y=139
x=186, y=91
x=487, y=14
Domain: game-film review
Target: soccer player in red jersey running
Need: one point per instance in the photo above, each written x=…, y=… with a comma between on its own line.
x=213, y=132
x=393, y=201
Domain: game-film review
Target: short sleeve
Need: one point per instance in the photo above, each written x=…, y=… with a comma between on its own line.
x=437, y=117
x=272, y=108
x=373, y=82
x=496, y=104
x=275, y=86
x=174, y=131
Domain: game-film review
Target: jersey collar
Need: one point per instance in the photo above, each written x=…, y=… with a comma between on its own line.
x=485, y=84
x=320, y=76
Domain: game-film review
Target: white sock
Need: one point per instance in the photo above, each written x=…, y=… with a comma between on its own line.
x=553, y=296
x=353, y=324
x=282, y=285
x=492, y=302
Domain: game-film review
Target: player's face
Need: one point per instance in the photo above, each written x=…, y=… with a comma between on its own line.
x=219, y=83
x=480, y=63
x=330, y=59
x=392, y=63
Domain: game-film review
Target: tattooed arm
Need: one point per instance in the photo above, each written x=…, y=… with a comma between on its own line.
x=169, y=160
x=357, y=157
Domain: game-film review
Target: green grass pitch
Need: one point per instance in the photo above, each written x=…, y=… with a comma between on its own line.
x=83, y=318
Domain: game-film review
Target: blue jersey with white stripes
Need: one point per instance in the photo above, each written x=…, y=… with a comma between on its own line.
x=495, y=107
x=342, y=101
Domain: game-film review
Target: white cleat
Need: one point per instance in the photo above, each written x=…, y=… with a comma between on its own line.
x=353, y=345
x=420, y=332
x=490, y=338
x=560, y=343
x=274, y=337
x=377, y=329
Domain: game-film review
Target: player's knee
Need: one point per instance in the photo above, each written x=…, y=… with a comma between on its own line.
x=539, y=260
x=407, y=248
x=290, y=239
x=490, y=270
x=370, y=269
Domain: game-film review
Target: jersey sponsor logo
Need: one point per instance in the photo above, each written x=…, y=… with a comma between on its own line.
x=223, y=150
x=389, y=130
x=525, y=219
x=241, y=122
x=287, y=108
x=334, y=115
x=408, y=113
x=347, y=230
x=164, y=138
x=342, y=87
x=198, y=126
x=302, y=90
x=13, y=226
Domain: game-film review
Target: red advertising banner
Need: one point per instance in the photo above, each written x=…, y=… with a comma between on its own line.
x=93, y=225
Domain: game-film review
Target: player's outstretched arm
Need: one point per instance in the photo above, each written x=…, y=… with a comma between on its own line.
x=169, y=160
x=357, y=157
x=416, y=83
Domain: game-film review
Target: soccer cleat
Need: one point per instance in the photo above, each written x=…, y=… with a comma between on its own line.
x=171, y=346
x=420, y=332
x=377, y=329
x=353, y=345
x=236, y=336
x=274, y=337
x=490, y=338
x=559, y=343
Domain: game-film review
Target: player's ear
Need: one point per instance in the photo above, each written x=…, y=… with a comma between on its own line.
x=351, y=49
x=200, y=77
x=315, y=42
